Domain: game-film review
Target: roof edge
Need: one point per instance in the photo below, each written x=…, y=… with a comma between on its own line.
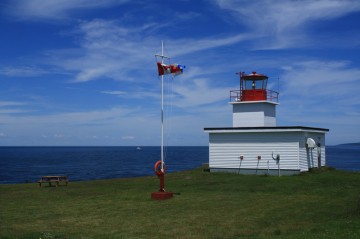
x=267, y=128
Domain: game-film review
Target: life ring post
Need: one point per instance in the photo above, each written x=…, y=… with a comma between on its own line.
x=160, y=170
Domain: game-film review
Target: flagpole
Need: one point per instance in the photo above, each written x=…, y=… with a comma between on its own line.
x=160, y=172
x=162, y=110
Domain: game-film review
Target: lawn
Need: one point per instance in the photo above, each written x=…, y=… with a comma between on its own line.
x=322, y=204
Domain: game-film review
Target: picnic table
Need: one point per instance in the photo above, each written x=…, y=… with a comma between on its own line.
x=53, y=179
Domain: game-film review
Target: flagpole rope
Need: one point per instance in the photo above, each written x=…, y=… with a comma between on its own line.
x=168, y=112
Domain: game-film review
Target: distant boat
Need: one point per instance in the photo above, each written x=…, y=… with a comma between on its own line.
x=138, y=148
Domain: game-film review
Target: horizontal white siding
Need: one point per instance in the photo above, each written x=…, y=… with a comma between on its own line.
x=303, y=160
x=225, y=150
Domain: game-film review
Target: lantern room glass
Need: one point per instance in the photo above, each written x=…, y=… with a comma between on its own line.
x=257, y=84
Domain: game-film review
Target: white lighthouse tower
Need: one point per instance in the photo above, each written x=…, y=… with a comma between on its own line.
x=253, y=104
x=255, y=144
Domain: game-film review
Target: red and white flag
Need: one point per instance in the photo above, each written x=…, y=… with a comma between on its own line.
x=174, y=69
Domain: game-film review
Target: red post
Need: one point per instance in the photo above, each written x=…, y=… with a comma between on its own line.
x=162, y=182
x=161, y=194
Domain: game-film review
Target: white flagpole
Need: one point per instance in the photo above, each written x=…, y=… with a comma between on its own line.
x=162, y=110
x=162, y=106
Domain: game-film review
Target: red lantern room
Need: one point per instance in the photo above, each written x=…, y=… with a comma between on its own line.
x=253, y=86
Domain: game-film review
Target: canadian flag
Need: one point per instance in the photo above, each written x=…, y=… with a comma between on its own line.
x=174, y=69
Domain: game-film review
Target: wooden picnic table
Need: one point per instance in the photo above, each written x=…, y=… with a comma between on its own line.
x=53, y=179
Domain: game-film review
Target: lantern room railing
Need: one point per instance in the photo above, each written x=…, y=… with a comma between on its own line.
x=235, y=96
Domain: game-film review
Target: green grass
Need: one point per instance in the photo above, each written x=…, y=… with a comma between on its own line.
x=206, y=205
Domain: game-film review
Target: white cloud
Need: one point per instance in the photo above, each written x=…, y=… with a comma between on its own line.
x=12, y=111
x=54, y=9
x=11, y=103
x=128, y=137
x=69, y=118
x=110, y=50
x=77, y=128
x=23, y=71
x=323, y=78
x=324, y=93
x=191, y=46
x=197, y=93
x=107, y=50
x=59, y=135
x=114, y=92
x=282, y=24
x=12, y=107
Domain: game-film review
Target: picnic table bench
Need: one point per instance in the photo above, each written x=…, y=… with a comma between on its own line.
x=53, y=179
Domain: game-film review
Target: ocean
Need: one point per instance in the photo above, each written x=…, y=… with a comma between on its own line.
x=344, y=157
x=28, y=164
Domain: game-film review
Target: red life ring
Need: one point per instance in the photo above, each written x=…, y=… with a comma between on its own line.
x=157, y=168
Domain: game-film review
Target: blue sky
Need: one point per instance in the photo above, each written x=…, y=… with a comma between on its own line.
x=83, y=72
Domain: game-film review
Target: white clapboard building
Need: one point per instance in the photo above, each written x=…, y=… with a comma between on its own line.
x=254, y=144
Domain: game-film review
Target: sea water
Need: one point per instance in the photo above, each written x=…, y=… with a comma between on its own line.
x=344, y=157
x=28, y=164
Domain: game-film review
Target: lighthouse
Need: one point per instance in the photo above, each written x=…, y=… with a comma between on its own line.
x=253, y=104
x=255, y=144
